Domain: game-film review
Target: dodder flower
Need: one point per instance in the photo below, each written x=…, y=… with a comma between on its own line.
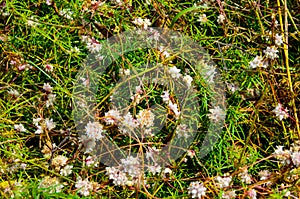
x=196, y=189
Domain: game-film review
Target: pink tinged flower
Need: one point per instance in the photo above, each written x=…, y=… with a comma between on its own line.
x=252, y=194
x=280, y=112
x=48, y=68
x=49, y=2
x=196, y=189
x=84, y=186
x=47, y=87
x=94, y=130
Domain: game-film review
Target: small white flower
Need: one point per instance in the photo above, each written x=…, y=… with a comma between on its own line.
x=280, y=112
x=182, y=131
x=67, y=170
x=166, y=172
x=51, y=98
x=144, y=23
x=32, y=22
x=202, y=18
x=188, y=80
x=39, y=130
x=221, y=19
x=49, y=2
x=131, y=166
x=154, y=169
x=164, y=52
x=174, y=72
x=271, y=52
x=20, y=127
x=296, y=158
x=13, y=92
x=66, y=13
x=125, y=72
x=165, y=97
x=47, y=87
x=278, y=39
x=196, y=189
x=245, y=177
x=50, y=124
x=119, y=177
x=174, y=108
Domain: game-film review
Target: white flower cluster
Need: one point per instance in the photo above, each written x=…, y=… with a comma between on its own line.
x=221, y=19
x=13, y=92
x=245, y=176
x=84, y=186
x=281, y=113
x=163, y=51
x=217, y=114
x=144, y=23
x=278, y=40
x=202, y=18
x=66, y=13
x=112, y=117
x=92, y=45
x=265, y=175
x=50, y=96
x=271, y=52
x=20, y=127
x=59, y=161
x=171, y=105
x=258, y=62
x=182, y=130
x=284, y=156
x=67, y=170
x=52, y=184
x=196, y=189
x=223, y=182
x=42, y=125
x=126, y=173
x=94, y=130
x=228, y=194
